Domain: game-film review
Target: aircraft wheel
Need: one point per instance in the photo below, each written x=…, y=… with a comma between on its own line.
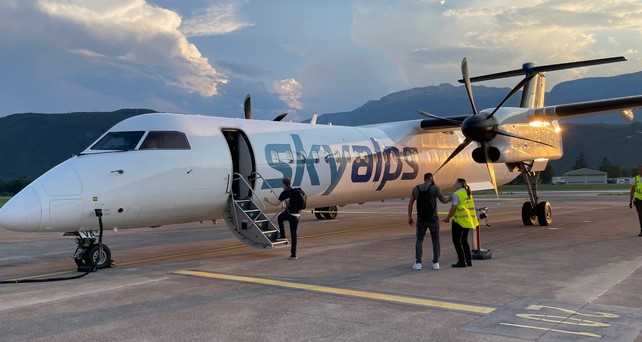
x=94, y=257
x=528, y=214
x=318, y=215
x=331, y=213
x=544, y=213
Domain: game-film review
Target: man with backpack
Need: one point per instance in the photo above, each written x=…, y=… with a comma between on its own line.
x=426, y=195
x=294, y=201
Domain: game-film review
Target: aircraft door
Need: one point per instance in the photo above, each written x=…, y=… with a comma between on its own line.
x=242, y=162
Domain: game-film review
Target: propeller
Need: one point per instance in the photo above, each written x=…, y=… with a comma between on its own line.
x=433, y=116
x=280, y=117
x=469, y=88
x=247, y=107
x=480, y=127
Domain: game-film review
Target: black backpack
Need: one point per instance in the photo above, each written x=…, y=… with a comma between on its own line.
x=297, y=201
x=425, y=204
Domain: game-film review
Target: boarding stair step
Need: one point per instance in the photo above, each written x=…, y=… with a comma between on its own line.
x=250, y=225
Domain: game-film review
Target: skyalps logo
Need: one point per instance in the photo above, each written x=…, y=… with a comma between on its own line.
x=367, y=163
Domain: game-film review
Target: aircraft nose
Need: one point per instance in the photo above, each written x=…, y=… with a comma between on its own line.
x=23, y=212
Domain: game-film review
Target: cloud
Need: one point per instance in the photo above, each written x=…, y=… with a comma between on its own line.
x=134, y=31
x=428, y=39
x=90, y=54
x=215, y=20
x=289, y=91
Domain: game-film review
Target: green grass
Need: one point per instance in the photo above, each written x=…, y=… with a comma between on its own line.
x=512, y=188
x=562, y=187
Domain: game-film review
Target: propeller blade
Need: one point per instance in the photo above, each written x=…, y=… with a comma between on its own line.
x=528, y=69
x=491, y=170
x=247, y=107
x=469, y=89
x=455, y=152
x=433, y=116
x=280, y=117
x=507, y=134
x=512, y=92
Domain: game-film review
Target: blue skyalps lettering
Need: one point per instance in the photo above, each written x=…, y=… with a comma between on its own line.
x=369, y=164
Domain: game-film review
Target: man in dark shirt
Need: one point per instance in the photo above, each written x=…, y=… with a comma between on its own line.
x=426, y=195
x=290, y=214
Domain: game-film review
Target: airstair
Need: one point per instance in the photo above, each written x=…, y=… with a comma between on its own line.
x=248, y=222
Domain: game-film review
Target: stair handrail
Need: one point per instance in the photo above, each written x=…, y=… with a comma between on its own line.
x=237, y=175
x=258, y=175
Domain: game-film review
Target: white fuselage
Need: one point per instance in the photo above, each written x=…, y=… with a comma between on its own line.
x=333, y=164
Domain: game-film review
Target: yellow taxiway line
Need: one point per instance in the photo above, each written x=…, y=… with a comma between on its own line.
x=344, y=292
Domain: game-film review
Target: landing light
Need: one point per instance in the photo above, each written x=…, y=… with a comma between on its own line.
x=539, y=123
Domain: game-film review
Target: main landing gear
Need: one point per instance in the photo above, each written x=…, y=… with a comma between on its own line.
x=326, y=213
x=534, y=211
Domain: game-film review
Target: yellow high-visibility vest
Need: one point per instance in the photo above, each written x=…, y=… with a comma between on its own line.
x=638, y=188
x=465, y=215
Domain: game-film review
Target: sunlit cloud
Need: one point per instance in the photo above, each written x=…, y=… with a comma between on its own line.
x=496, y=36
x=289, y=91
x=131, y=34
x=215, y=20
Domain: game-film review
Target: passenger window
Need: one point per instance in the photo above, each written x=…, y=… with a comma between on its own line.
x=315, y=156
x=165, y=140
x=289, y=157
x=118, y=141
x=275, y=157
x=302, y=156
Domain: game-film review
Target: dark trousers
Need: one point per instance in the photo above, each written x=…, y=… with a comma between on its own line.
x=638, y=207
x=422, y=227
x=460, y=240
x=294, y=224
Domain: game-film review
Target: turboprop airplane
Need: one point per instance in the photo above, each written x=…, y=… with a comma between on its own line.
x=159, y=169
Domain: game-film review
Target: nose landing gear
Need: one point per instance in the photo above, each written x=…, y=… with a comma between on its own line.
x=91, y=256
x=88, y=256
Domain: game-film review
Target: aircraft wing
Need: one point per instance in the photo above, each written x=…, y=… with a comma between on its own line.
x=442, y=124
x=579, y=109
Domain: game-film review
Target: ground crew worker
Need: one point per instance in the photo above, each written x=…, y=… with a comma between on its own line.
x=636, y=195
x=427, y=218
x=464, y=218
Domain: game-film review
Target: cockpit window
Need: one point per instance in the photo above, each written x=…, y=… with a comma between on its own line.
x=118, y=141
x=165, y=140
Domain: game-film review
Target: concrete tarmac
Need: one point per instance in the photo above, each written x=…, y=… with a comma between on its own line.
x=579, y=279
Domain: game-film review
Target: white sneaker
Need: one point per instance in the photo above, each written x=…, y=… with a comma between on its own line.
x=416, y=266
x=435, y=266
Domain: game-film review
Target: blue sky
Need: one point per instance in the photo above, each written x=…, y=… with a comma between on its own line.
x=300, y=57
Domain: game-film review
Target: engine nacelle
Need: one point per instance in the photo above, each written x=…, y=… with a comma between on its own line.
x=480, y=157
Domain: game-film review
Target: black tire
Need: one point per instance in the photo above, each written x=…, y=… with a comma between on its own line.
x=528, y=214
x=318, y=215
x=544, y=213
x=331, y=213
x=92, y=256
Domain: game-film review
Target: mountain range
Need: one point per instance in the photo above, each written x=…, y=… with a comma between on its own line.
x=32, y=143
x=448, y=100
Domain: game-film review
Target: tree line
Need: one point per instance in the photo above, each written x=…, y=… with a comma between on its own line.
x=612, y=171
x=10, y=187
